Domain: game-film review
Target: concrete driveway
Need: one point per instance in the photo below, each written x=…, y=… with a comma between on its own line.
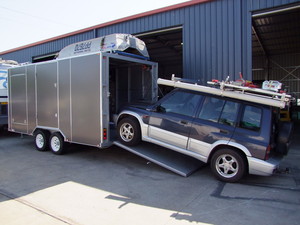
x=112, y=186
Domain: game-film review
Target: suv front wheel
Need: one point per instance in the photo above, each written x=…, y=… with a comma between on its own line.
x=129, y=131
x=228, y=165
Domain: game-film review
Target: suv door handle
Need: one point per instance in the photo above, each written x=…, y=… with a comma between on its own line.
x=184, y=122
x=224, y=131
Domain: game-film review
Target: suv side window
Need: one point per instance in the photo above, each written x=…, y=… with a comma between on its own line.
x=251, y=118
x=229, y=113
x=219, y=110
x=211, y=109
x=183, y=103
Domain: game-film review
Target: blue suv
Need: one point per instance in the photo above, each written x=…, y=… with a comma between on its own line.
x=236, y=137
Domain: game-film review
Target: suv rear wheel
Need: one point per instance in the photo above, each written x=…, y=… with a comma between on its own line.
x=228, y=165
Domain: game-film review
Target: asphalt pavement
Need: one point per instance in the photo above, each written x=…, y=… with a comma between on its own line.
x=112, y=186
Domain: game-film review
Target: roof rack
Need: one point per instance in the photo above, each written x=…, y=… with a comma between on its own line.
x=257, y=95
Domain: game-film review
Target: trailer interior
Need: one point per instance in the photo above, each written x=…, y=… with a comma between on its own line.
x=129, y=83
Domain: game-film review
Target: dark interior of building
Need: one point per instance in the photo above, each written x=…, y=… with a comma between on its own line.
x=276, y=46
x=165, y=47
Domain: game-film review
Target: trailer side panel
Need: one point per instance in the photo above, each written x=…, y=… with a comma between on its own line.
x=85, y=99
x=46, y=81
x=18, y=105
x=31, y=98
x=64, y=81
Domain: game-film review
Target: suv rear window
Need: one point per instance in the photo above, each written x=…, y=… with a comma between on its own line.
x=251, y=118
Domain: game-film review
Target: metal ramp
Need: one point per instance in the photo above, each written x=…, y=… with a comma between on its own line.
x=171, y=160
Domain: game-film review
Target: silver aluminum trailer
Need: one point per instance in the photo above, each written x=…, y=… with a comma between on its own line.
x=74, y=97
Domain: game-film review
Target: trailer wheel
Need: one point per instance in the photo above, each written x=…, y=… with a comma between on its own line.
x=129, y=131
x=228, y=165
x=41, y=140
x=57, y=144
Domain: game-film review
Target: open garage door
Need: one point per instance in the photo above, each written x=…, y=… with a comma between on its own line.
x=276, y=46
x=165, y=47
x=45, y=57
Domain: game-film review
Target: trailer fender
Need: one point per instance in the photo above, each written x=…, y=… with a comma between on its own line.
x=51, y=130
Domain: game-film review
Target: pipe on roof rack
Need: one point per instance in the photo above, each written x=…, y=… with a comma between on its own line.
x=241, y=95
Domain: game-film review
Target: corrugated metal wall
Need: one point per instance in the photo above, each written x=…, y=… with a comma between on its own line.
x=264, y=4
x=211, y=36
x=216, y=36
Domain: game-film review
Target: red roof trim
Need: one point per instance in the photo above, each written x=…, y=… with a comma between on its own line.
x=149, y=13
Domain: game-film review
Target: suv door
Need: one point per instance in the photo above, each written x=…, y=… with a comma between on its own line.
x=216, y=121
x=172, y=118
x=254, y=129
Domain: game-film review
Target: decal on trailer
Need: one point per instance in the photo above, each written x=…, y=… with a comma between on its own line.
x=83, y=47
x=3, y=79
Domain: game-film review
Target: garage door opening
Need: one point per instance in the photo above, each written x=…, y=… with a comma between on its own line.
x=276, y=46
x=45, y=57
x=165, y=47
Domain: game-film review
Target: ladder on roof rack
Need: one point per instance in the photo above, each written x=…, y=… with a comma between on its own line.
x=257, y=95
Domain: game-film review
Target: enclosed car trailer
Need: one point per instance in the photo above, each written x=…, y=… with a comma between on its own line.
x=74, y=97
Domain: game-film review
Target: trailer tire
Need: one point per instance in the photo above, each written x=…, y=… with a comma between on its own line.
x=228, y=165
x=57, y=143
x=129, y=131
x=41, y=140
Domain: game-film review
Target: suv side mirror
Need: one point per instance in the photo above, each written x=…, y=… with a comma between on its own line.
x=160, y=109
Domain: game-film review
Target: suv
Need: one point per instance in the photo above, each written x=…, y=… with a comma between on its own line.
x=234, y=136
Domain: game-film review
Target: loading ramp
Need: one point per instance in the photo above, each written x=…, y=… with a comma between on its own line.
x=176, y=162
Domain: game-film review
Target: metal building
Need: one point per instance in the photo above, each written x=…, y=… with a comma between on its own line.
x=204, y=40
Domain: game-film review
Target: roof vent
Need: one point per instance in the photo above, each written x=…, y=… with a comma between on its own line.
x=109, y=43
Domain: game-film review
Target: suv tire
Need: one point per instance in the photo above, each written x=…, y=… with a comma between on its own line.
x=129, y=131
x=228, y=165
